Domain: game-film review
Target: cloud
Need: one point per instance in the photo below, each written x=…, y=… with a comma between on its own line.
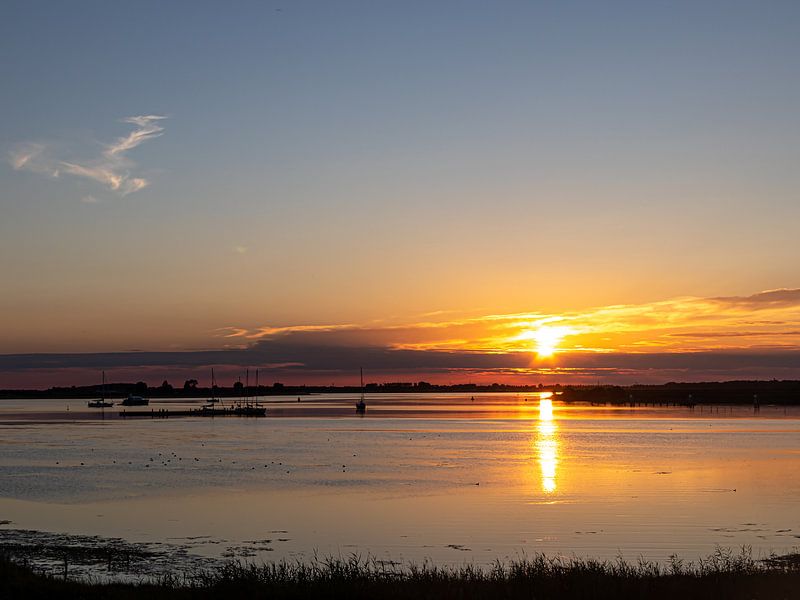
x=314, y=364
x=23, y=156
x=270, y=332
x=724, y=334
x=687, y=324
x=112, y=168
x=779, y=297
x=677, y=339
x=31, y=157
x=148, y=128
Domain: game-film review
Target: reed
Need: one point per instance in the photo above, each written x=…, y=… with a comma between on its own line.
x=724, y=574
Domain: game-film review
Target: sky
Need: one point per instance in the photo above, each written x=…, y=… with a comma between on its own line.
x=449, y=191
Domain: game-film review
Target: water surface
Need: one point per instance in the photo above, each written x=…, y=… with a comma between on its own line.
x=439, y=476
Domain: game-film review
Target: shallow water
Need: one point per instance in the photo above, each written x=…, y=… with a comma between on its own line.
x=419, y=476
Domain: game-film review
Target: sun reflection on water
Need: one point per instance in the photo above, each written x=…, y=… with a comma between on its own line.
x=547, y=443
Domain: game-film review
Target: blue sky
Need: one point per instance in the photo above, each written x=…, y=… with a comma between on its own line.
x=341, y=162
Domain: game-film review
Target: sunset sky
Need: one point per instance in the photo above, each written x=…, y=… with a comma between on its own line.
x=449, y=191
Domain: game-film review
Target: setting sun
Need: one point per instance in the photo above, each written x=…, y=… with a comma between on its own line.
x=548, y=338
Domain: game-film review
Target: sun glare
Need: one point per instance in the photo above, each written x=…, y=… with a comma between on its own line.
x=548, y=338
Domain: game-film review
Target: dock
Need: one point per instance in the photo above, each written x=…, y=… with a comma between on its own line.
x=165, y=413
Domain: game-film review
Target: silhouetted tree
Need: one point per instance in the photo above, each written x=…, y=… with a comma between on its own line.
x=190, y=384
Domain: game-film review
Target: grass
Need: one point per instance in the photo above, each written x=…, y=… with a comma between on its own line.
x=724, y=574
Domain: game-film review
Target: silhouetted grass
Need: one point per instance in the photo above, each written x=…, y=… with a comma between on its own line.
x=724, y=574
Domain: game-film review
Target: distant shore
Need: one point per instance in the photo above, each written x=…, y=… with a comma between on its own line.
x=785, y=392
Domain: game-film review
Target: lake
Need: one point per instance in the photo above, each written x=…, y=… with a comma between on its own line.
x=433, y=476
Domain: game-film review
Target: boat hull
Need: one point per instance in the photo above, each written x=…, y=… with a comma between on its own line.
x=135, y=401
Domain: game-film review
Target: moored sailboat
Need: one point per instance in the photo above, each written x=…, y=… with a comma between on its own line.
x=249, y=408
x=361, y=405
x=101, y=402
x=210, y=406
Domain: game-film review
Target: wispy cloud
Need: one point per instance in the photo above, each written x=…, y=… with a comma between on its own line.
x=32, y=157
x=113, y=168
x=22, y=157
x=775, y=298
x=679, y=325
x=148, y=128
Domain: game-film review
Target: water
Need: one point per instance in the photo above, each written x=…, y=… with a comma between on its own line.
x=438, y=477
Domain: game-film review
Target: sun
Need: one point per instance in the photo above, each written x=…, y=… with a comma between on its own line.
x=548, y=337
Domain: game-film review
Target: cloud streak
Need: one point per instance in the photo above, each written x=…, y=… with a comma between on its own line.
x=147, y=128
x=113, y=168
x=687, y=324
x=680, y=339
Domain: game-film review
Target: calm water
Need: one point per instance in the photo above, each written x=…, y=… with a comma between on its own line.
x=431, y=476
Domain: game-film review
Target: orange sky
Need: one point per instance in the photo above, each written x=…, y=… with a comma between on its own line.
x=688, y=338
x=766, y=320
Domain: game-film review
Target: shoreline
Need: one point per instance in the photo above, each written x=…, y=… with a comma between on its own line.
x=724, y=574
x=750, y=393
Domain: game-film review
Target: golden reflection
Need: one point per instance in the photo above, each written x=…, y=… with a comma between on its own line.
x=547, y=443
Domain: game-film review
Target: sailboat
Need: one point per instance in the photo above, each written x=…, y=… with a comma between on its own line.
x=101, y=402
x=250, y=409
x=361, y=405
x=209, y=409
x=213, y=399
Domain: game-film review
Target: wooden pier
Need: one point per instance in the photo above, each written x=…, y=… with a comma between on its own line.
x=165, y=413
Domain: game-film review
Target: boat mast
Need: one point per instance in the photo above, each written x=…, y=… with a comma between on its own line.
x=362, y=384
x=103, y=392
